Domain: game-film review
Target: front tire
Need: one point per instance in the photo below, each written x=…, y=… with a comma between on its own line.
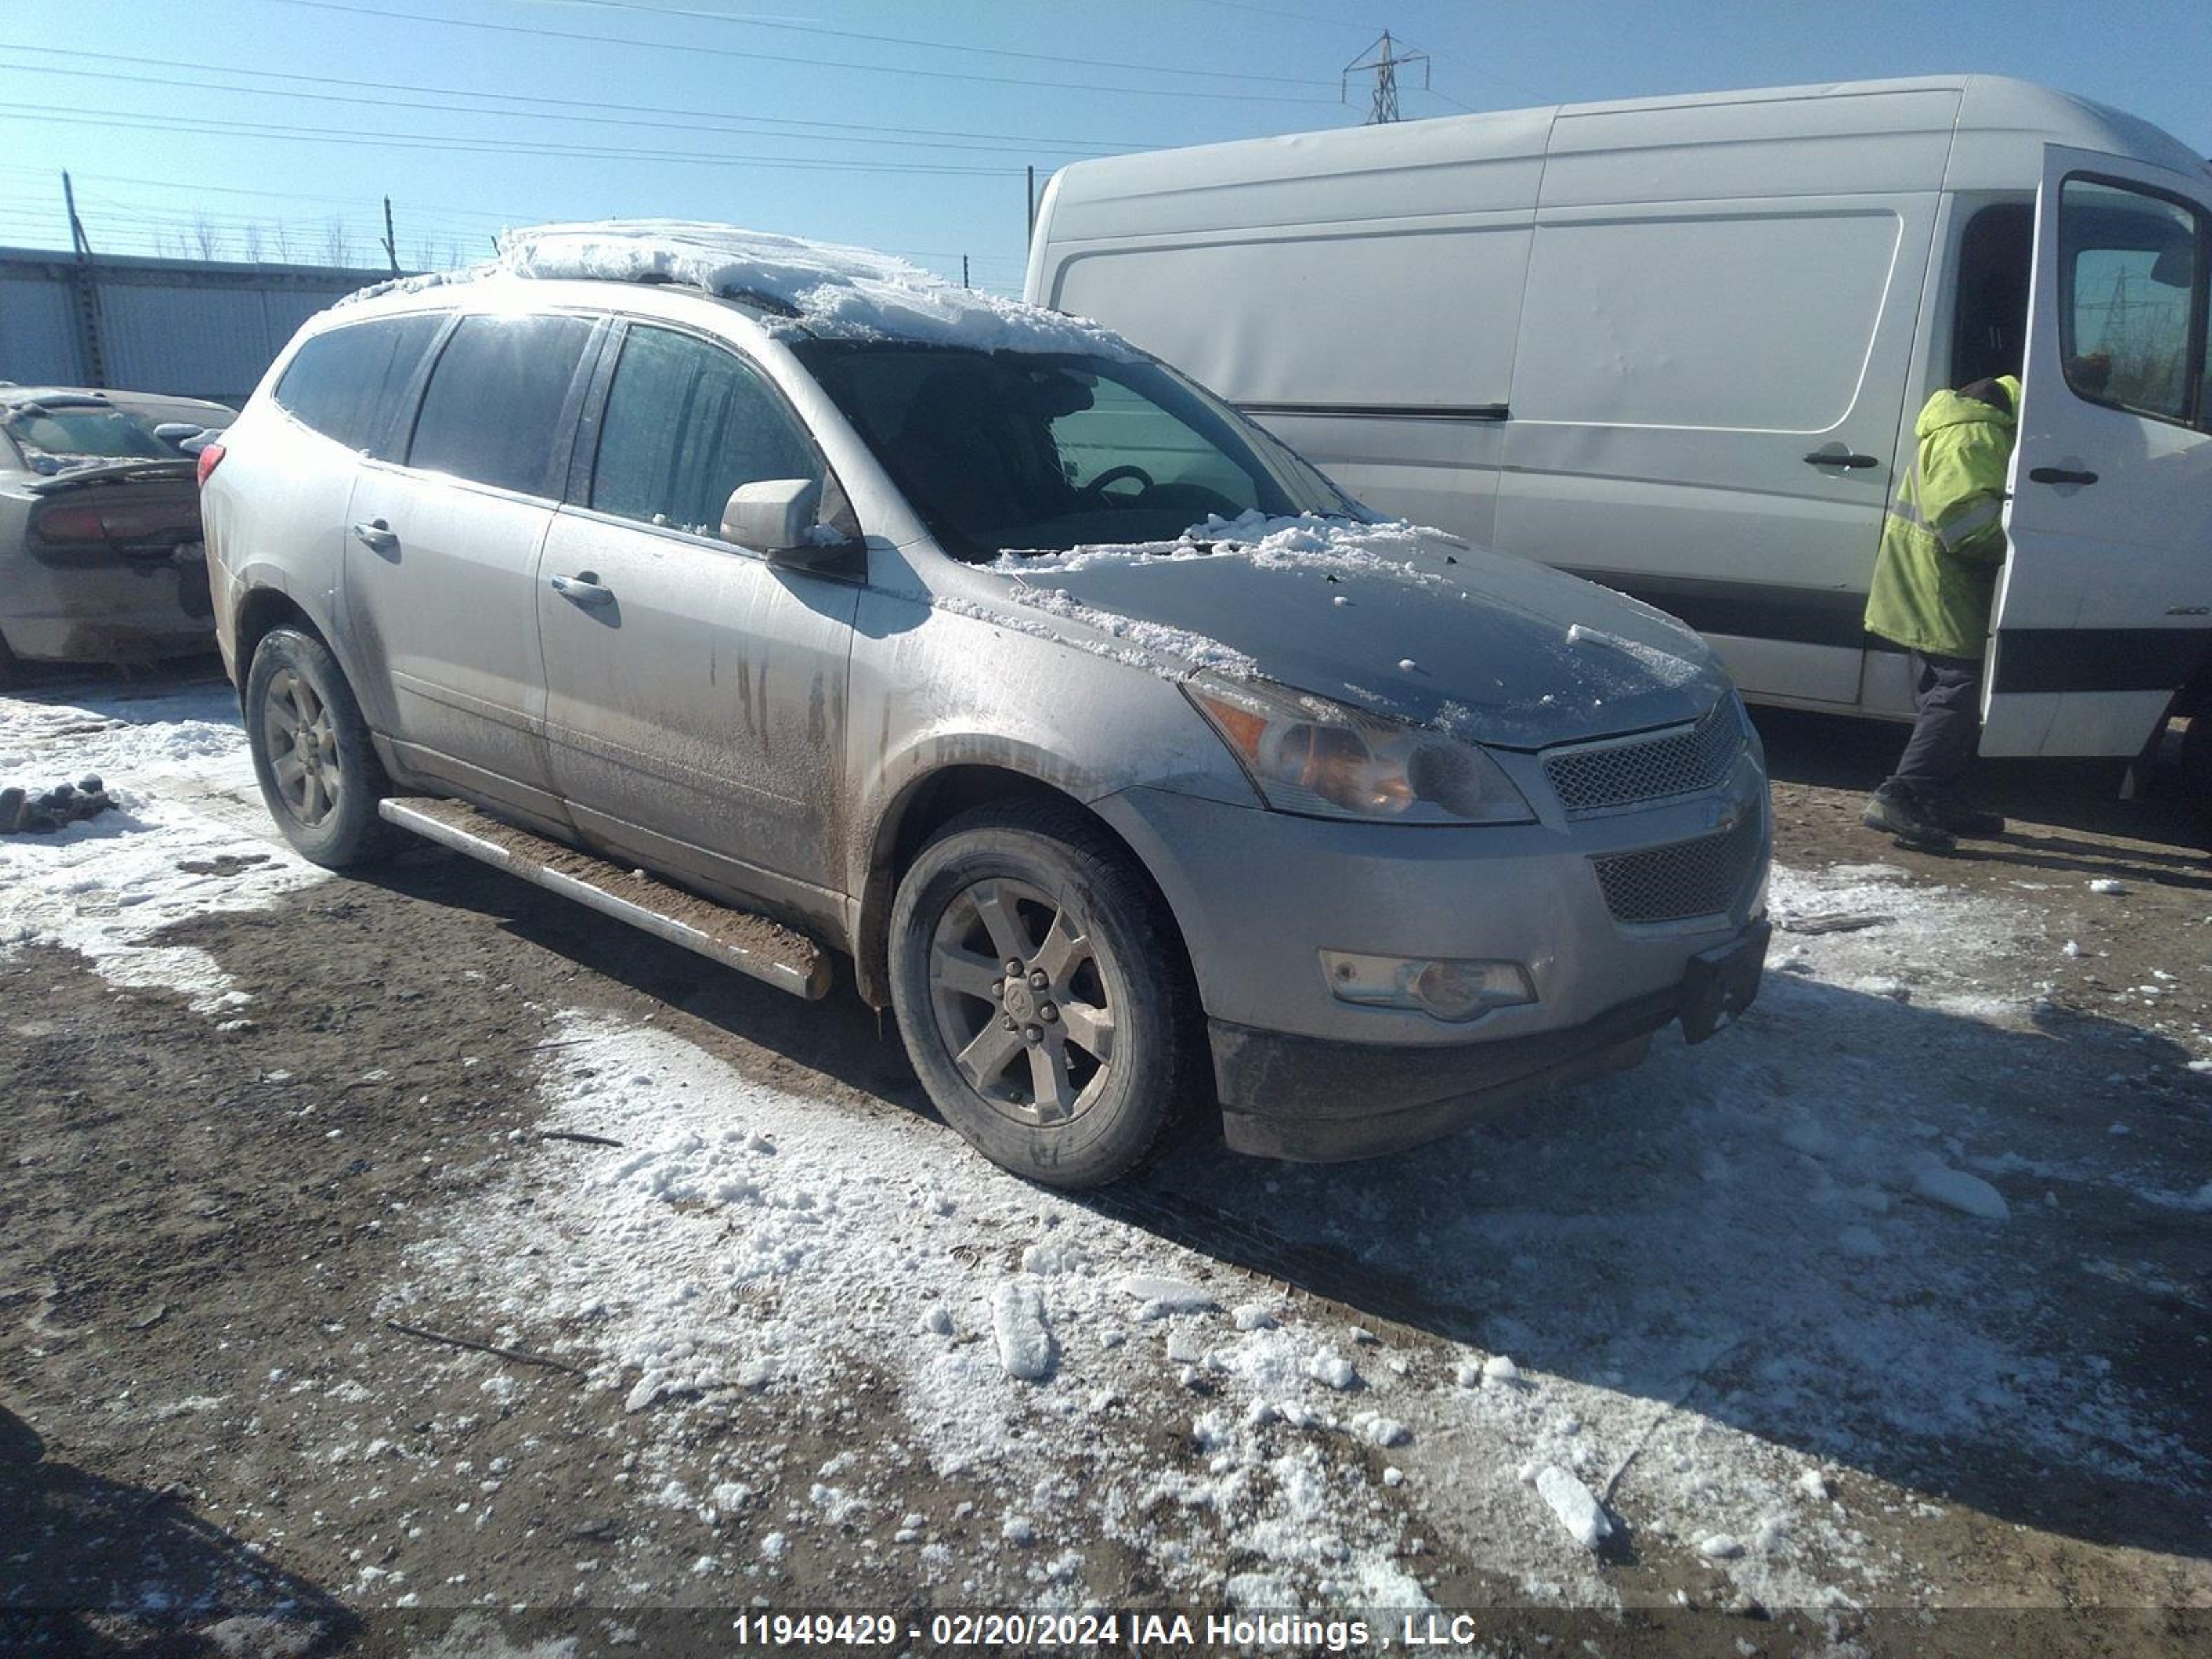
x=1069, y=1068
x=317, y=769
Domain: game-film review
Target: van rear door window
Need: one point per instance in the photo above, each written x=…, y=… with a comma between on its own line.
x=347, y=384
x=492, y=410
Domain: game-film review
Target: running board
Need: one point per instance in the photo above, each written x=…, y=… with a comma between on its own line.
x=750, y=943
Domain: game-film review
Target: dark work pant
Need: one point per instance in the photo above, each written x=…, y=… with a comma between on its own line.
x=1947, y=693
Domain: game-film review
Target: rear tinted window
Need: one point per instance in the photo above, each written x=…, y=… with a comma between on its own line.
x=58, y=439
x=492, y=412
x=347, y=384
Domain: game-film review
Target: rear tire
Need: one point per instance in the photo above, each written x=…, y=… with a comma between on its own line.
x=317, y=769
x=1070, y=1083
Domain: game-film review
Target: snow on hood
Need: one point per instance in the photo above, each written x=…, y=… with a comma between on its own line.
x=1406, y=621
x=829, y=291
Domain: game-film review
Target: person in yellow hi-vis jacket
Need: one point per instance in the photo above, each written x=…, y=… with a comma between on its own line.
x=1941, y=547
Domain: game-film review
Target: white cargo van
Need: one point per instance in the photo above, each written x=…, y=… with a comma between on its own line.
x=1679, y=344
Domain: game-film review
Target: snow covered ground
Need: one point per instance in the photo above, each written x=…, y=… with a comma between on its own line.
x=1753, y=1308
x=1698, y=1296
x=189, y=834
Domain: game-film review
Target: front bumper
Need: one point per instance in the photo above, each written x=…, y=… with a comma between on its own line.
x=1316, y=1100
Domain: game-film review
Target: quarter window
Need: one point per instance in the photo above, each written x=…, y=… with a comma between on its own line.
x=492, y=412
x=686, y=423
x=2131, y=299
x=347, y=384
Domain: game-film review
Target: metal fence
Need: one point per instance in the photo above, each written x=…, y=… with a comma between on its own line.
x=191, y=328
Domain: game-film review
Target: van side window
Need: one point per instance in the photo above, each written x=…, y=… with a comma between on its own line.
x=686, y=423
x=1989, y=331
x=492, y=412
x=347, y=384
x=2132, y=295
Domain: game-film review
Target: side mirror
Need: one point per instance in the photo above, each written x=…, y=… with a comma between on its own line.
x=771, y=517
x=2176, y=264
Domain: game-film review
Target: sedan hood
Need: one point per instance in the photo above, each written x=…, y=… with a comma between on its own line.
x=1404, y=622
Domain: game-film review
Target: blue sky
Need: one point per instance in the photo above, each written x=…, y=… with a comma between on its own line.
x=898, y=124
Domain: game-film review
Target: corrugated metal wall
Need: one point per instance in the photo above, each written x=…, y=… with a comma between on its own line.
x=187, y=327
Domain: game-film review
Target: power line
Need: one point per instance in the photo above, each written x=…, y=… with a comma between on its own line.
x=564, y=116
x=1277, y=11
x=941, y=45
x=128, y=121
x=692, y=50
x=914, y=135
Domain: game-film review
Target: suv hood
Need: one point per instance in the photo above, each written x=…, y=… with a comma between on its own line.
x=1401, y=621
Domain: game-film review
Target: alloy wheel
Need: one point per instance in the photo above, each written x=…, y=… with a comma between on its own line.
x=1020, y=987
x=302, y=745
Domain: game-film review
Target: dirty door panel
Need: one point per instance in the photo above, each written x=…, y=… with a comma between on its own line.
x=442, y=555
x=695, y=691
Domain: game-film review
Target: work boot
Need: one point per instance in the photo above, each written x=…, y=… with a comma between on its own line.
x=1897, y=808
x=1975, y=822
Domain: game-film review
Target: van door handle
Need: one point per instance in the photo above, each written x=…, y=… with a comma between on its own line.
x=2060, y=474
x=376, y=536
x=583, y=588
x=1826, y=458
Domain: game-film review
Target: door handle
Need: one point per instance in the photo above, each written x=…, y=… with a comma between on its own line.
x=376, y=536
x=1824, y=458
x=583, y=588
x=2060, y=474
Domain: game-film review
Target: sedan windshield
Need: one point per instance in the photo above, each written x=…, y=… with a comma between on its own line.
x=1014, y=451
x=58, y=437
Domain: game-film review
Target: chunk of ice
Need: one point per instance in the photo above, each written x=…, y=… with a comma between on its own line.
x=1578, y=1510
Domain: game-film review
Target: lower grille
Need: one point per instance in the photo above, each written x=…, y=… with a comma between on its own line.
x=1700, y=877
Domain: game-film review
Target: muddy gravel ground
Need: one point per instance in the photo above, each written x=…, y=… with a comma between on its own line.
x=256, y=1212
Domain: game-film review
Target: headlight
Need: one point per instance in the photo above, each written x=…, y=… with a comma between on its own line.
x=1310, y=756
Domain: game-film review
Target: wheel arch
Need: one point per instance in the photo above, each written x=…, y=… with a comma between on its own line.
x=260, y=613
x=923, y=805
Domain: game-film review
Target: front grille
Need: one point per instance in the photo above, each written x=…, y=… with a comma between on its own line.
x=1628, y=772
x=1700, y=877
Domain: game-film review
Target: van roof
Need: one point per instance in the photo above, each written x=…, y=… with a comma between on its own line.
x=1994, y=129
x=785, y=283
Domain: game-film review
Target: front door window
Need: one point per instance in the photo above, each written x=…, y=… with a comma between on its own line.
x=2132, y=299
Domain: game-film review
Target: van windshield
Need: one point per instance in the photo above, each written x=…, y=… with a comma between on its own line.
x=1015, y=451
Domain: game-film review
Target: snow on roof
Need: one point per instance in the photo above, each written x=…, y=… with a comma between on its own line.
x=817, y=287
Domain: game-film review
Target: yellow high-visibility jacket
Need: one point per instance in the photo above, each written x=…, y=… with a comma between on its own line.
x=1942, y=542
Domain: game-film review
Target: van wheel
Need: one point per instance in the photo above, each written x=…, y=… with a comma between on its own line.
x=1042, y=993
x=318, y=772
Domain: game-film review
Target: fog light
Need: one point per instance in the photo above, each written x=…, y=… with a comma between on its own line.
x=1444, y=988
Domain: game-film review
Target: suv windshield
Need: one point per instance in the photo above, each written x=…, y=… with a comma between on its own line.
x=56, y=437
x=1035, y=452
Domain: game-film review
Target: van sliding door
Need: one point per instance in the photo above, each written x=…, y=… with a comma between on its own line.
x=2105, y=607
x=1705, y=412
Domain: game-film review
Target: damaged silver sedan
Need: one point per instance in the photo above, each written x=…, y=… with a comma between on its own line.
x=789, y=603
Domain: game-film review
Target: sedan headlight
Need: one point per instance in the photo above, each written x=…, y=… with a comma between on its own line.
x=1310, y=756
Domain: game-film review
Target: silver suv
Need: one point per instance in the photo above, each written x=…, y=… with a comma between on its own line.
x=1128, y=760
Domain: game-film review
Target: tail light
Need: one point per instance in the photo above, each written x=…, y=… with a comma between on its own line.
x=210, y=459
x=71, y=524
x=122, y=520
